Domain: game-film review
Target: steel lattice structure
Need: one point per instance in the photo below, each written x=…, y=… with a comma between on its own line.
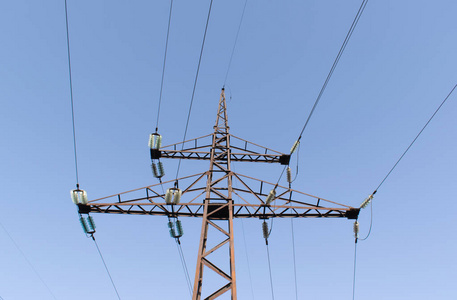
x=209, y=195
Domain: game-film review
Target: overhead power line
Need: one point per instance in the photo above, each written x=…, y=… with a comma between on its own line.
x=71, y=96
x=293, y=256
x=388, y=174
x=335, y=63
x=236, y=40
x=271, y=276
x=27, y=260
x=355, y=266
x=329, y=75
x=184, y=266
x=195, y=84
x=164, y=64
x=106, y=267
x=74, y=138
x=417, y=136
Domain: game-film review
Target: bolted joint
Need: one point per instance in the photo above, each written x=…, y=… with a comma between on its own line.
x=83, y=208
x=155, y=154
x=284, y=159
x=352, y=213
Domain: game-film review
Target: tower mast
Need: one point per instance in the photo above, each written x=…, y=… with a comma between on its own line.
x=218, y=207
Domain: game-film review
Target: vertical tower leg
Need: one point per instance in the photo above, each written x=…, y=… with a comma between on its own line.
x=211, y=214
x=232, y=251
x=201, y=251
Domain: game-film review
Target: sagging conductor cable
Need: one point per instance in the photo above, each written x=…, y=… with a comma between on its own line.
x=417, y=136
x=368, y=201
x=27, y=260
x=195, y=84
x=329, y=75
x=71, y=95
x=236, y=40
x=164, y=64
x=106, y=267
x=335, y=63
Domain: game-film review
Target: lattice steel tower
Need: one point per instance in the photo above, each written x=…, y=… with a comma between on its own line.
x=210, y=195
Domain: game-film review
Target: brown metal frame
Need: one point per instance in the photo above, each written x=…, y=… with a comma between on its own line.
x=213, y=200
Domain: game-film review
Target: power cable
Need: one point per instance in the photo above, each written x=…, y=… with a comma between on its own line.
x=371, y=223
x=355, y=264
x=388, y=174
x=335, y=63
x=164, y=63
x=417, y=136
x=269, y=268
x=178, y=244
x=195, y=84
x=71, y=95
x=293, y=253
x=74, y=136
x=401, y=157
x=184, y=265
x=27, y=260
x=329, y=75
x=234, y=44
x=106, y=267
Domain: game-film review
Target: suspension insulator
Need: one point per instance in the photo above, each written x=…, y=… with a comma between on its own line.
x=155, y=141
x=366, y=201
x=289, y=175
x=84, y=224
x=356, y=229
x=295, y=146
x=157, y=170
x=266, y=232
x=91, y=223
x=172, y=233
x=78, y=196
x=168, y=196
x=271, y=196
x=161, y=169
x=179, y=228
x=172, y=230
x=154, y=170
x=173, y=195
x=175, y=229
x=177, y=196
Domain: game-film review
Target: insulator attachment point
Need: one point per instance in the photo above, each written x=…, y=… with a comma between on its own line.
x=284, y=159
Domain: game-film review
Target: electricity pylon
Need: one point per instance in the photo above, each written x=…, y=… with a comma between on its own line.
x=213, y=201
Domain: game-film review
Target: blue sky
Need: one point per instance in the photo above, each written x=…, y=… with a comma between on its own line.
x=396, y=70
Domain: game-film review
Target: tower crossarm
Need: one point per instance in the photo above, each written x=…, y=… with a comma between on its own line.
x=241, y=150
x=249, y=201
